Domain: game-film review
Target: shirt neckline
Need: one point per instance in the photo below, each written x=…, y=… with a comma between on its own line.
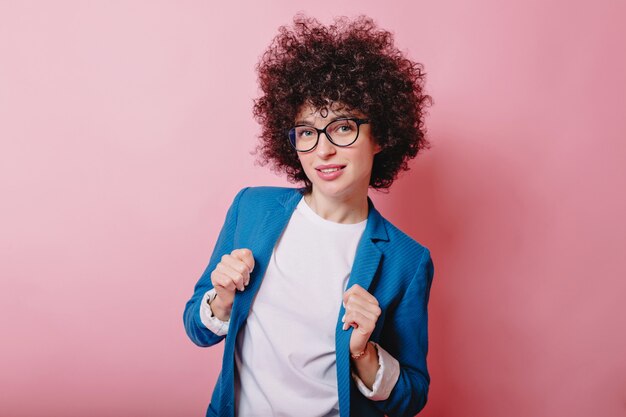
x=309, y=213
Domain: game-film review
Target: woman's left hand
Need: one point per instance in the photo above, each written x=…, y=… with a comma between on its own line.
x=362, y=312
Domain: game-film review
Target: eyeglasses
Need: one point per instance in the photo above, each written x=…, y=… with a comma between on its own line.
x=340, y=132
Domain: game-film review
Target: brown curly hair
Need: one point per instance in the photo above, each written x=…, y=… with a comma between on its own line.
x=352, y=64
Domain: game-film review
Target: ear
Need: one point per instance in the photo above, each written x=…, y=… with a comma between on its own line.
x=377, y=148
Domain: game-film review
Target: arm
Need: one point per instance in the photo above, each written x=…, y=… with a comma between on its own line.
x=408, y=342
x=194, y=327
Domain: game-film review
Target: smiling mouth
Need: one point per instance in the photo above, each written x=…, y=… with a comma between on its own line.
x=329, y=170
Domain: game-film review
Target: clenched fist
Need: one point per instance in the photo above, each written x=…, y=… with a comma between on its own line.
x=362, y=312
x=230, y=274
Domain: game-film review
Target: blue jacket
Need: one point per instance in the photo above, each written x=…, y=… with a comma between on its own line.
x=389, y=264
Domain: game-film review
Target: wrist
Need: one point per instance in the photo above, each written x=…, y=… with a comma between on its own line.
x=363, y=353
x=219, y=310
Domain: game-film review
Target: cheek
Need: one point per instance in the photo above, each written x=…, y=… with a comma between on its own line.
x=366, y=159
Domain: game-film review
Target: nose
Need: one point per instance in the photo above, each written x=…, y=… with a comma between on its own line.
x=324, y=147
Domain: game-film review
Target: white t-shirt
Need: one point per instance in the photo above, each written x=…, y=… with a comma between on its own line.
x=285, y=355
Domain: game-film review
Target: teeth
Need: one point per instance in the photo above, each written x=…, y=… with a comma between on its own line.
x=326, y=171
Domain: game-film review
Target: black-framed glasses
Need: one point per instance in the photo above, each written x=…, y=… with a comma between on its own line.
x=340, y=132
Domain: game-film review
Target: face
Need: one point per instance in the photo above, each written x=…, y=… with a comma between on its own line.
x=337, y=172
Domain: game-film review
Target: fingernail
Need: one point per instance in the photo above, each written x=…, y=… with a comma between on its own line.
x=343, y=319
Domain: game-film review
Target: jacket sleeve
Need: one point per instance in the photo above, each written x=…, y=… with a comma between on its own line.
x=409, y=333
x=194, y=327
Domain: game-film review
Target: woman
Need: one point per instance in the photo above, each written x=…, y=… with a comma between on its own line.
x=321, y=301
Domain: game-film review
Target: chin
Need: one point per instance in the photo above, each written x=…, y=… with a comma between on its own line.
x=333, y=190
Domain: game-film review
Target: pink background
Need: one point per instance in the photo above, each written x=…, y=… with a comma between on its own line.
x=126, y=130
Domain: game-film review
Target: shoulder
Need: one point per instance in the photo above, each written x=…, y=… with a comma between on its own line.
x=256, y=208
x=404, y=257
x=265, y=195
x=267, y=192
x=401, y=243
x=251, y=200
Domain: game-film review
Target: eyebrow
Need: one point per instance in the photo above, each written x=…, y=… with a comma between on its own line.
x=309, y=123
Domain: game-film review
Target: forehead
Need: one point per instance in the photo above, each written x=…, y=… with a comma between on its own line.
x=309, y=112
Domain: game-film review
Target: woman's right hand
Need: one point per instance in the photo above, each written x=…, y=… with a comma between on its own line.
x=231, y=273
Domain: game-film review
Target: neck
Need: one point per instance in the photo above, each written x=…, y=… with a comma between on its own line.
x=349, y=209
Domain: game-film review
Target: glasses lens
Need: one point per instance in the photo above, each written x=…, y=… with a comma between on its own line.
x=343, y=132
x=303, y=138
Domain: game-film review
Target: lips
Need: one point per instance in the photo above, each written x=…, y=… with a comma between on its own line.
x=327, y=169
x=329, y=172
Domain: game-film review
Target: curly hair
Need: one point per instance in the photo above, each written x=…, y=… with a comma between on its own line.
x=352, y=64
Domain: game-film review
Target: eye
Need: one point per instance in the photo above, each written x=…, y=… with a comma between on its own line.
x=304, y=132
x=343, y=127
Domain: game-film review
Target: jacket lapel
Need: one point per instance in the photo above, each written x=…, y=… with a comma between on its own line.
x=268, y=231
x=366, y=262
x=264, y=237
